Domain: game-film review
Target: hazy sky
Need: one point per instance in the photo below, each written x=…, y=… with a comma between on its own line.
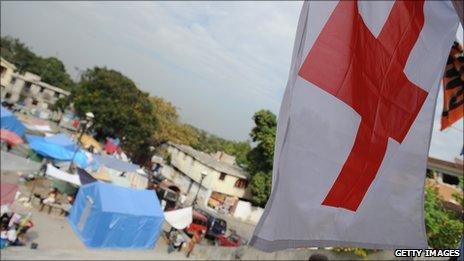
x=218, y=62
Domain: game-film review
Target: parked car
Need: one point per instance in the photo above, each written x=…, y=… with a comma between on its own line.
x=211, y=225
x=231, y=241
x=199, y=223
x=216, y=227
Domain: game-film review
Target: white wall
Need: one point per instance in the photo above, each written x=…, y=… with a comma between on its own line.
x=246, y=212
x=193, y=168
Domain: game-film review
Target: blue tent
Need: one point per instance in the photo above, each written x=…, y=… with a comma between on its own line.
x=109, y=216
x=59, y=147
x=10, y=122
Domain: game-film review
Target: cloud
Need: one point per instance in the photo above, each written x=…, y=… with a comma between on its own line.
x=219, y=62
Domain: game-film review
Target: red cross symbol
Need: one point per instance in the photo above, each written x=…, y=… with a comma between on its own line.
x=366, y=73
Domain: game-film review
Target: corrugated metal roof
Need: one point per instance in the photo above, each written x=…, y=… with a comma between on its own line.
x=212, y=162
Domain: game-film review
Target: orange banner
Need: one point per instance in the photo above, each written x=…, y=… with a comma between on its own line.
x=453, y=86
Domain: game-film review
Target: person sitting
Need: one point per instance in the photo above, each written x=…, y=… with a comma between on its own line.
x=68, y=205
x=51, y=198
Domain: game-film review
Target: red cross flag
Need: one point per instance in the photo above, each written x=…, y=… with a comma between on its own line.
x=355, y=124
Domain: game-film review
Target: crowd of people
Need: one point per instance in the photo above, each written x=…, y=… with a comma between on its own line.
x=176, y=240
x=13, y=229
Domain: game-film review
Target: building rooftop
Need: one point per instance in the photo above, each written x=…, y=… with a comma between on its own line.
x=8, y=64
x=453, y=168
x=210, y=161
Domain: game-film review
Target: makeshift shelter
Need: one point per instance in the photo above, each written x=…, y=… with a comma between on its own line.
x=111, y=145
x=85, y=177
x=59, y=147
x=179, y=218
x=116, y=164
x=9, y=121
x=102, y=175
x=62, y=175
x=108, y=216
x=88, y=141
x=10, y=137
x=8, y=192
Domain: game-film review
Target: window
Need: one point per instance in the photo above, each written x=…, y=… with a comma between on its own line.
x=241, y=183
x=7, y=95
x=56, y=95
x=448, y=179
x=27, y=87
x=35, y=102
x=42, y=89
x=13, y=80
x=222, y=176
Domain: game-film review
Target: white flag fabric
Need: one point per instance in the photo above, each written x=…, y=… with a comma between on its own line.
x=354, y=126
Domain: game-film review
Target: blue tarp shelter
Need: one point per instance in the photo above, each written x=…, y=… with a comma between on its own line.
x=109, y=216
x=114, y=163
x=10, y=122
x=59, y=147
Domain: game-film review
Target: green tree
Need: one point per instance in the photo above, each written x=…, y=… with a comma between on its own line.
x=51, y=70
x=120, y=108
x=169, y=126
x=211, y=143
x=261, y=188
x=444, y=228
x=260, y=158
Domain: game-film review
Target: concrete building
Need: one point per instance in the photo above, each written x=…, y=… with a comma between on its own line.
x=222, y=185
x=27, y=89
x=445, y=176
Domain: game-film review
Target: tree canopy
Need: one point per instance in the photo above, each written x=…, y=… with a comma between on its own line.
x=51, y=70
x=261, y=157
x=444, y=228
x=211, y=143
x=169, y=126
x=120, y=108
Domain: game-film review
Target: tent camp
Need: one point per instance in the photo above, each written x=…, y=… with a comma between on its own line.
x=109, y=216
x=59, y=147
x=9, y=122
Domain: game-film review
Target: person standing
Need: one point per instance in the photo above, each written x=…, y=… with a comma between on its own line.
x=196, y=238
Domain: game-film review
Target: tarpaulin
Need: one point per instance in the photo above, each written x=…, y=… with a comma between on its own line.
x=108, y=216
x=12, y=162
x=111, y=145
x=85, y=177
x=40, y=128
x=62, y=175
x=102, y=174
x=114, y=163
x=88, y=141
x=57, y=147
x=62, y=140
x=179, y=218
x=8, y=192
x=10, y=137
x=9, y=121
